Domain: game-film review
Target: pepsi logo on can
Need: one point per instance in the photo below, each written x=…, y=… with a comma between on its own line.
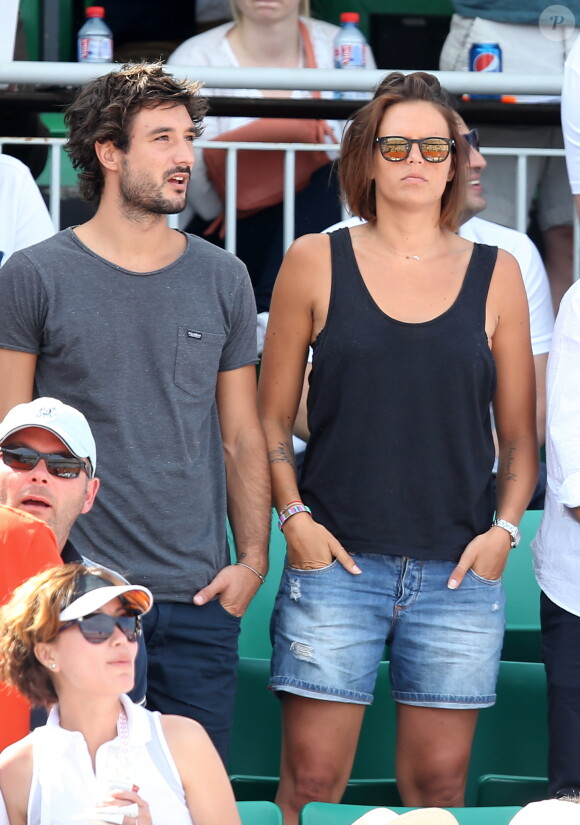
x=485, y=57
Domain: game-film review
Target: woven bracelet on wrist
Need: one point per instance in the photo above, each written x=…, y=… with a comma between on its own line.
x=288, y=512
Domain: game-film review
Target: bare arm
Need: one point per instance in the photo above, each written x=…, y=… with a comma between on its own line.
x=515, y=417
x=208, y=792
x=16, y=378
x=248, y=487
x=295, y=320
x=15, y=780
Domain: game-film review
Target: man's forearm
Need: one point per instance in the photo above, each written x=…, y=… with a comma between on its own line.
x=249, y=498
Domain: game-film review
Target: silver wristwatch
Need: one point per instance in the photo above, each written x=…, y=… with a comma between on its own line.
x=512, y=529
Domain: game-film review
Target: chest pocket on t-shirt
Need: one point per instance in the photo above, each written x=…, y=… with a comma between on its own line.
x=197, y=360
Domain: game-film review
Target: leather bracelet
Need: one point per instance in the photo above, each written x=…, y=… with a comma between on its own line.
x=290, y=511
x=253, y=569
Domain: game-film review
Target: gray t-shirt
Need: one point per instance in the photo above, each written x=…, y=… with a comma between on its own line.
x=139, y=354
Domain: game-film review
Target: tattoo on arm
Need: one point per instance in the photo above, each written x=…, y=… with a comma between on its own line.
x=282, y=453
x=509, y=475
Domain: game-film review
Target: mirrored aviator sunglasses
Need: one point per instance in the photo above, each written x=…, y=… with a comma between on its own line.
x=61, y=466
x=395, y=148
x=98, y=627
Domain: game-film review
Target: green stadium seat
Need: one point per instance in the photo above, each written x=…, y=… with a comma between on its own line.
x=502, y=790
x=511, y=739
x=254, y=761
x=320, y=813
x=259, y=813
x=522, y=637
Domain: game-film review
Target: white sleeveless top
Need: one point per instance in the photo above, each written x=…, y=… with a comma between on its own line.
x=64, y=784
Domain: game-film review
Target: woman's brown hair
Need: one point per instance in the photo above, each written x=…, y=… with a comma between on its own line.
x=32, y=616
x=358, y=149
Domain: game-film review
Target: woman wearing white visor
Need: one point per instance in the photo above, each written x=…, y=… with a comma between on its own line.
x=69, y=636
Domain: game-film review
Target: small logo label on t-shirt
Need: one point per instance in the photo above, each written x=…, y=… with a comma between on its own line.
x=192, y=334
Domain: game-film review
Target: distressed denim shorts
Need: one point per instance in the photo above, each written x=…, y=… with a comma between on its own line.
x=329, y=629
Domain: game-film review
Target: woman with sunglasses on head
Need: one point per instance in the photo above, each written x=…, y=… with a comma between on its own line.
x=69, y=636
x=391, y=534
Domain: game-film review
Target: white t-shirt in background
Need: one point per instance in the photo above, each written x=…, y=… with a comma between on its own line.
x=570, y=111
x=24, y=218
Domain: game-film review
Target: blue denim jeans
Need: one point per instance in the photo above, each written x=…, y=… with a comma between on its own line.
x=329, y=629
x=192, y=655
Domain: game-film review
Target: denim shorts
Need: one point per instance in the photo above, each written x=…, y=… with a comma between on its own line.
x=329, y=629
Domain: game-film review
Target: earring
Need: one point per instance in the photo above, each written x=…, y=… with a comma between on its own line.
x=52, y=666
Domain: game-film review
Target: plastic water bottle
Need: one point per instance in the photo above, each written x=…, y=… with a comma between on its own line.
x=350, y=51
x=95, y=38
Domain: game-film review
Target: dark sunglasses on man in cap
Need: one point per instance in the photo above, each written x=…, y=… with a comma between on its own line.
x=61, y=466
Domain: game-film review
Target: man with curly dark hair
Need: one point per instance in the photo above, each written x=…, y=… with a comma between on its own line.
x=150, y=332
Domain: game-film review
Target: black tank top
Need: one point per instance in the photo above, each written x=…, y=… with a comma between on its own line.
x=400, y=455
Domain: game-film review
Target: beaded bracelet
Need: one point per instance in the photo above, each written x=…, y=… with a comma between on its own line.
x=291, y=510
x=253, y=569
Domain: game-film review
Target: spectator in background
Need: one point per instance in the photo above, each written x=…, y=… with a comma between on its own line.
x=555, y=550
x=534, y=276
x=24, y=218
x=571, y=119
x=556, y=545
x=58, y=492
x=278, y=35
x=27, y=546
x=530, y=45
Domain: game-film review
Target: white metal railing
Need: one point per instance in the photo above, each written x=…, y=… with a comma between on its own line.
x=75, y=74
x=290, y=149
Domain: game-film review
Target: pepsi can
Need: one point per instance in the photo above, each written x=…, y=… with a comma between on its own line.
x=485, y=57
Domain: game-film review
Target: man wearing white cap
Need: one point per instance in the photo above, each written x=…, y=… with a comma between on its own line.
x=48, y=465
x=47, y=468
